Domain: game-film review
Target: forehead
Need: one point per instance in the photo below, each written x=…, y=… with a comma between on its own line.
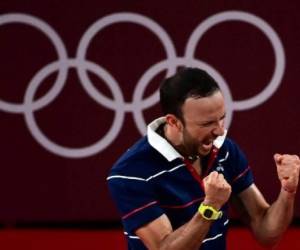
x=204, y=108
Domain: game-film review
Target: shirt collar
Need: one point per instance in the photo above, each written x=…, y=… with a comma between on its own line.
x=160, y=143
x=164, y=147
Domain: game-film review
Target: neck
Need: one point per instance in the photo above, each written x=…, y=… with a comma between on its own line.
x=174, y=139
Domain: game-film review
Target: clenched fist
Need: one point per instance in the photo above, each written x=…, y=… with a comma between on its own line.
x=288, y=167
x=217, y=190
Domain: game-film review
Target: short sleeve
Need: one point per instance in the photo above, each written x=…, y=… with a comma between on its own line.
x=241, y=173
x=135, y=201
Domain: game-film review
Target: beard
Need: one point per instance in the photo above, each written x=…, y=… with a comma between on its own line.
x=192, y=147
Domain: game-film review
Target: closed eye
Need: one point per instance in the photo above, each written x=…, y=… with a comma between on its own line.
x=207, y=124
x=210, y=123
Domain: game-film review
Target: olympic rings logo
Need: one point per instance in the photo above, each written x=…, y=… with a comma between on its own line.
x=118, y=104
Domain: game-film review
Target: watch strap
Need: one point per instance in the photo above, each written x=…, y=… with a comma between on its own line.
x=209, y=212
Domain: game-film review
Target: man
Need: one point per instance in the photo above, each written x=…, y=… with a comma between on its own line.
x=173, y=186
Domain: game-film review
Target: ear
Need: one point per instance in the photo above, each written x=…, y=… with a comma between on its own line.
x=173, y=121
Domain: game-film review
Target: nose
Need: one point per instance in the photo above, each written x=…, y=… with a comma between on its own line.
x=219, y=129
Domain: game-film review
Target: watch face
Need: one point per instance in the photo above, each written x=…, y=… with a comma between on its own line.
x=208, y=213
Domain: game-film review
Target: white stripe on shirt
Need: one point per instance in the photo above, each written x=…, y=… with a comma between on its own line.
x=212, y=238
x=142, y=179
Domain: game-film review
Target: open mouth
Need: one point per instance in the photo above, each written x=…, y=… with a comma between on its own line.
x=207, y=144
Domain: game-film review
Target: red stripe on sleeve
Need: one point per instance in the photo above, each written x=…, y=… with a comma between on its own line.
x=138, y=209
x=242, y=174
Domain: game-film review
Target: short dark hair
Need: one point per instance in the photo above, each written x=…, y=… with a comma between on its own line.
x=187, y=82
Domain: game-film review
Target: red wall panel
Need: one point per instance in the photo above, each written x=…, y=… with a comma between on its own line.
x=61, y=131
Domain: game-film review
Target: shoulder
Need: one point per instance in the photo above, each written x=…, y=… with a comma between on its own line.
x=231, y=153
x=140, y=160
x=231, y=148
x=230, y=143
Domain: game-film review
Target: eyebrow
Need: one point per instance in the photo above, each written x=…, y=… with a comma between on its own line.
x=211, y=121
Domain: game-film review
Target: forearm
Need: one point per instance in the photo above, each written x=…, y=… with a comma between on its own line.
x=159, y=234
x=191, y=235
x=275, y=220
x=188, y=236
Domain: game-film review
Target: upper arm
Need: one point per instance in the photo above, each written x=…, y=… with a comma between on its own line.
x=251, y=205
x=153, y=233
x=136, y=201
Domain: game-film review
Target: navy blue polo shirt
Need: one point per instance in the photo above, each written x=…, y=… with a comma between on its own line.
x=152, y=179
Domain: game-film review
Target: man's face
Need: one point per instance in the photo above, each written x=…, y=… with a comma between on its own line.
x=204, y=122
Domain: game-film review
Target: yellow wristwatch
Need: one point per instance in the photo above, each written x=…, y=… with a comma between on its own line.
x=209, y=213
